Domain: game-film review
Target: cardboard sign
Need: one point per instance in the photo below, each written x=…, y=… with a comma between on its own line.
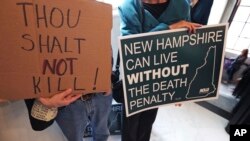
x=48, y=46
x=171, y=66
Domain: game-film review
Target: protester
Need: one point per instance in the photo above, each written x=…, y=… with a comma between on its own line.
x=236, y=64
x=75, y=112
x=140, y=16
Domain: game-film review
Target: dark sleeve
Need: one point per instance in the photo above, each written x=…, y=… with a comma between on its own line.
x=201, y=11
x=37, y=125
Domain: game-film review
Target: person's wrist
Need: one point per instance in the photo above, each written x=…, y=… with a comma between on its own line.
x=47, y=104
x=51, y=105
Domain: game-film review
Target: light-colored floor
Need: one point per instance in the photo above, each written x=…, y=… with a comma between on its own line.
x=190, y=122
x=226, y=100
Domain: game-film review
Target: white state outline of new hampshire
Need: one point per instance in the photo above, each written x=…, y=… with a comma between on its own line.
x=197, y=73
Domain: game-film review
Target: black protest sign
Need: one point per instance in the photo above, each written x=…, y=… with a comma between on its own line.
x=171, y=66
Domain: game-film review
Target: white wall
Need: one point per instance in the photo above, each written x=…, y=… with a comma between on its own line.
x=217, y=11
x=115, y=35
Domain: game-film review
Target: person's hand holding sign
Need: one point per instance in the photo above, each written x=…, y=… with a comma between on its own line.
x=185, y=24
x=61, y=99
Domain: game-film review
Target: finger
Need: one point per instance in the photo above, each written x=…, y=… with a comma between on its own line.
x=189, y=28
x=193, y=29
x=73, y=95
x=65, y=93
x=197, y=24
x=72, y=99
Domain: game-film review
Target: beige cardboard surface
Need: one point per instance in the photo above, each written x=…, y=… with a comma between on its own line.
x=47, y=46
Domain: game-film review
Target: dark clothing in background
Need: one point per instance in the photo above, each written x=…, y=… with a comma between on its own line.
x=243, y=84
x=156, y=9
x=235, y=66
x=37, y=125
x=141, y=122
x=201, y=11
x=241, y=112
